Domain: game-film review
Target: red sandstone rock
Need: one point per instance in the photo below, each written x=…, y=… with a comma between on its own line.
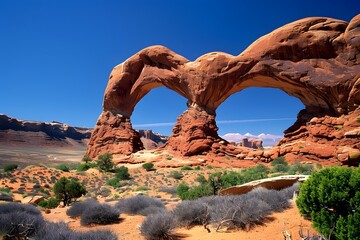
x=313, y=59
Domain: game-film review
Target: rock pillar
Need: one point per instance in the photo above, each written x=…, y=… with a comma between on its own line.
x=113, y=133
x=194, y=132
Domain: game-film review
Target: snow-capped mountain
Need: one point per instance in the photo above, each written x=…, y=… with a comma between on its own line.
x=268, y=139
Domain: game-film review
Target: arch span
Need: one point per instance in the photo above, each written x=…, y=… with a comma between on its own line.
x=313, y=59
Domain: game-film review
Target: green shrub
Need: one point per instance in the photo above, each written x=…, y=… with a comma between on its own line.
x=300, y=168
x=86, y=159
x=82, y=167
x=114, y=182
x=105, y=162
x=63, y=167
x=5, y=189
x=122, y=173
x=197, y=168
x=187, y=193
x=10, y=167
x=279, y=160
x=148, y=166
x=176, y=175
x=49, y=203
x=186, y=168
x=66, y=190
x=331, y=199
x=142, y=188
x=201, y=179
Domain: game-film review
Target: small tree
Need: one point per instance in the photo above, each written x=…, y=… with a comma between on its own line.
x=122, y=173
x=10, y=167
x=148, y=166
x=105, y=162
x=66, y=190
x=86, y=159
x=331, y=198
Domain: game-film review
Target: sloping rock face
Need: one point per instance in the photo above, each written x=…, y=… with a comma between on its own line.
x=313, y=59
x=14, y=132
x=151, y=140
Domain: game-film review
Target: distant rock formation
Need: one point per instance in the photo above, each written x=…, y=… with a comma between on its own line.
x=268, y=140
x=31, y=133
x=151, y=140
x=254, y=143
x=314, y=59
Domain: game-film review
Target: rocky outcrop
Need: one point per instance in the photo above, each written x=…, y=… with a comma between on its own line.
x=313, y=59
x=276, y=183
x=16, y=132
x=151, y=140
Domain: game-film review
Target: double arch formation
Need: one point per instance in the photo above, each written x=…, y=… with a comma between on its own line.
x=314, y=59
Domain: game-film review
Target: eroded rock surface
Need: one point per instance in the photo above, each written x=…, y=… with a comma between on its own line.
x=313, y=59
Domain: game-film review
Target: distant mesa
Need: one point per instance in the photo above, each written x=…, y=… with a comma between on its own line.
x=314, y=59
x=14, y=132
x=267, y=140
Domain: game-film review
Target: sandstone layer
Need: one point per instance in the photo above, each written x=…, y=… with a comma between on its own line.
x=314, y=59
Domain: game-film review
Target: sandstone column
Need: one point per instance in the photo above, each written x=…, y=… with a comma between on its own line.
x=113, y=133
x=194, y=132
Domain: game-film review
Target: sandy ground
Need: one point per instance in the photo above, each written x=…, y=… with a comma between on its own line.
x=128, y=228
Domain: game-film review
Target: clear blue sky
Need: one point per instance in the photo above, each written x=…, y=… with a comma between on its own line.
x=56, y=56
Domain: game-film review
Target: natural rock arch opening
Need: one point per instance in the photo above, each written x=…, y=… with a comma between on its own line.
x=155, y=115
x=313, y=59
x=257, y=111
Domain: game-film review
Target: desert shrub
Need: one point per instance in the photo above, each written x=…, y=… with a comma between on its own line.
x=148, y=166
x=49, y=203
x=186, y=168
x=5, y=189
x=10, y=167
x=331, y=198
x=135, y=205
x=4, y=196
x=142, y=188
x=299, y=168
x=157, y=226
x=99, y=214
x=122, y=173
x=197, y=168
x=176, y=175
x=170, y=190
x=86, y=159
x=114, y=182
x=82, y=167
x=279, y=160
x=13, y=215
x=63, y=167
x=151, y=210
x=61, y=231
x=105, y=162
x=187, y=193
x=66, y=190
x=189, y=213
x=201, y=179
x=77, y=208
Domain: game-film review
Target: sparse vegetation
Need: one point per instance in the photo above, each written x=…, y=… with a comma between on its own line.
x=66, y=190
x=63, y=167
x=186, y=168
x=77, y=208
x=331, y=199
x=135, y=205
x=148, y=166
x=176, y=175
x=105, y=162
x=158, y=226
x=122, y=173
x=86, y=159
x=10, y=167
x=99, y=214
x=49, y=203
x=114, y=182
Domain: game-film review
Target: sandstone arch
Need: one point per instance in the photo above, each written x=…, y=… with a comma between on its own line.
x=313, y=59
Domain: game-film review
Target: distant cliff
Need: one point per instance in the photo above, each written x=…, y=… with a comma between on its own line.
x=152, y=140
x=20, y=132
